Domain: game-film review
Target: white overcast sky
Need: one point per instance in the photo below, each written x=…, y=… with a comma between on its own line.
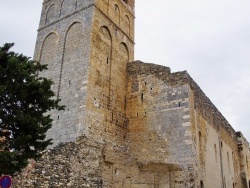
x=208, y=38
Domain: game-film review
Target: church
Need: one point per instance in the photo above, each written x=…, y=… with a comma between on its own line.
x=127, y=124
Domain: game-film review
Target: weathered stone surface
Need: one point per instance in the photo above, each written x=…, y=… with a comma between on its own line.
x=131, y=125
x=74, y=164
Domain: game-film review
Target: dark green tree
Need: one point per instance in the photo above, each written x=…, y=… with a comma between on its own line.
x=25, y=99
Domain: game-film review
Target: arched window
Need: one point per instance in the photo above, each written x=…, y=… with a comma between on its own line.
x=105, y=44
x=127, y=25
x=49, y=56
x=117, y=14
x=67, y=7
x=50, y=14
x=73, y=53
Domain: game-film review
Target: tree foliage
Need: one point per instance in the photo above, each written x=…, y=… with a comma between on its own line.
x=25, y=99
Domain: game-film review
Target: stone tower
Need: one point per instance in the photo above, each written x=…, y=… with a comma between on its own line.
x=87, y=44
x=126, y=125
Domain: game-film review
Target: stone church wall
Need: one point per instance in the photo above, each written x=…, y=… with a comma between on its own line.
x=131, y=125
x=159, y=129
x=213, y=142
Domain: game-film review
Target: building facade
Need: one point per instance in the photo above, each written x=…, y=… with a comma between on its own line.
x=127, y=123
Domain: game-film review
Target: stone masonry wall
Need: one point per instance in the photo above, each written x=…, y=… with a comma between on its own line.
x=87, y=60
x=159, y=129
x=206, y=107
x=211, y=136
x=126, y=124
x=112, y=47
x=64, y=44
x=75, y=164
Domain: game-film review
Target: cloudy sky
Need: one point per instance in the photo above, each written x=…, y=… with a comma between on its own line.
x=208, y=38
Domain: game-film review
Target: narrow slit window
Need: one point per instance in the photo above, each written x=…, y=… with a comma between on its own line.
x=116, y=32
x=215, y=152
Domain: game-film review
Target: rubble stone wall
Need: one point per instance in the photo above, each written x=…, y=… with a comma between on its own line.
x=73, y=164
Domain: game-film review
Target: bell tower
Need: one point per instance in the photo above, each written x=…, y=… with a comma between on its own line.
x=87, y=44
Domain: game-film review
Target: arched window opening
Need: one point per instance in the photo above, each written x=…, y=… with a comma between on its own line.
x=105, y=44
x=103, y=65
x=127, y=25
x=48, y=56
x=124, y=52
x=117, y=14
x=50, y=14
x=67, y=7
x=73, y=53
